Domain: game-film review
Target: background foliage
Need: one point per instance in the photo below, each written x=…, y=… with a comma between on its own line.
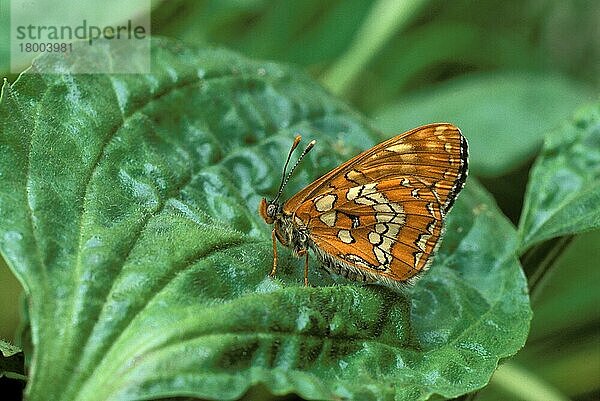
x=508, y=73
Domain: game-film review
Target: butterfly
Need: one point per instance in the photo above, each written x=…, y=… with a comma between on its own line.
x=377, y=218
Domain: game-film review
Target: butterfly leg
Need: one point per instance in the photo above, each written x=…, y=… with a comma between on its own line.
x=306, y=271
x=274, y=270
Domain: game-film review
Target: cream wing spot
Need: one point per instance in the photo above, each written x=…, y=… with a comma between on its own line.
x=380, y=255
x=360, y=190
x=400, y=148
x=429, y=207
x=354, y=176
x=325, y=203
x=409, y=157
x=374, y=238
x=398, y=219
x=393, y=230
x=422, y=241
x=389, y=208
x=353, y=193
x=397, y=208
x=418, y=256
x=329, y=218
x=384, y=218
x=365, y=201
x=345, y=236
x=383, y=207
x=381, y=228
x=386, y=245
x=369, y=188
x=378, y=197
x=298, y=221
x=431, y=227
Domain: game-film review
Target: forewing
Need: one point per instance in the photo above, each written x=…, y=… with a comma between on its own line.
x=434, y=156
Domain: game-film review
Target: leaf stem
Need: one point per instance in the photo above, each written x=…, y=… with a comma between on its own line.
x=384, y=20
x=524, y=384
x=540, y=275
x=14, y=376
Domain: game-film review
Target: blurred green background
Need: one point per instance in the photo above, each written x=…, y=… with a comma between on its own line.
x=505, y=72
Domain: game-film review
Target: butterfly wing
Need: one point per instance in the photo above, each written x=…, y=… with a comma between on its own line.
x=382, y=211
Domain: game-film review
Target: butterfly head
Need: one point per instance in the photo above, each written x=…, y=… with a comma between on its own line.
x=271, y=210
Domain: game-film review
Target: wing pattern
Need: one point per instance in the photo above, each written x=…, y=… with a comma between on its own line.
x=382, y=211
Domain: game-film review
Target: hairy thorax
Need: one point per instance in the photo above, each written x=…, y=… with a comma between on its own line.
x=290, y=235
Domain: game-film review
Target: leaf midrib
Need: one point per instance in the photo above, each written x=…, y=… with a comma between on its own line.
x=67, y=339
x=175, y=191
x=526, y=242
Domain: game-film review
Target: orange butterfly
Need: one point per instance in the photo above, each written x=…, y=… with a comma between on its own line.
x=378, y=217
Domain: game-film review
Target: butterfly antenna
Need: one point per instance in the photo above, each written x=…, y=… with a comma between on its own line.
x=284, y=178
x=297, y=140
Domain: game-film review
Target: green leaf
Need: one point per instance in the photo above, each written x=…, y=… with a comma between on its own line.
x=504, y=116
x=12, y=362
x=128, y=210
x=563, y=194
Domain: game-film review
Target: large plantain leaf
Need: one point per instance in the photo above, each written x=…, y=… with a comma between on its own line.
x=563, y=194
x=128, y=211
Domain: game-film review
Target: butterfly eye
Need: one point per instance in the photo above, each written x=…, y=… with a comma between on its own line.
x=271, y=209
